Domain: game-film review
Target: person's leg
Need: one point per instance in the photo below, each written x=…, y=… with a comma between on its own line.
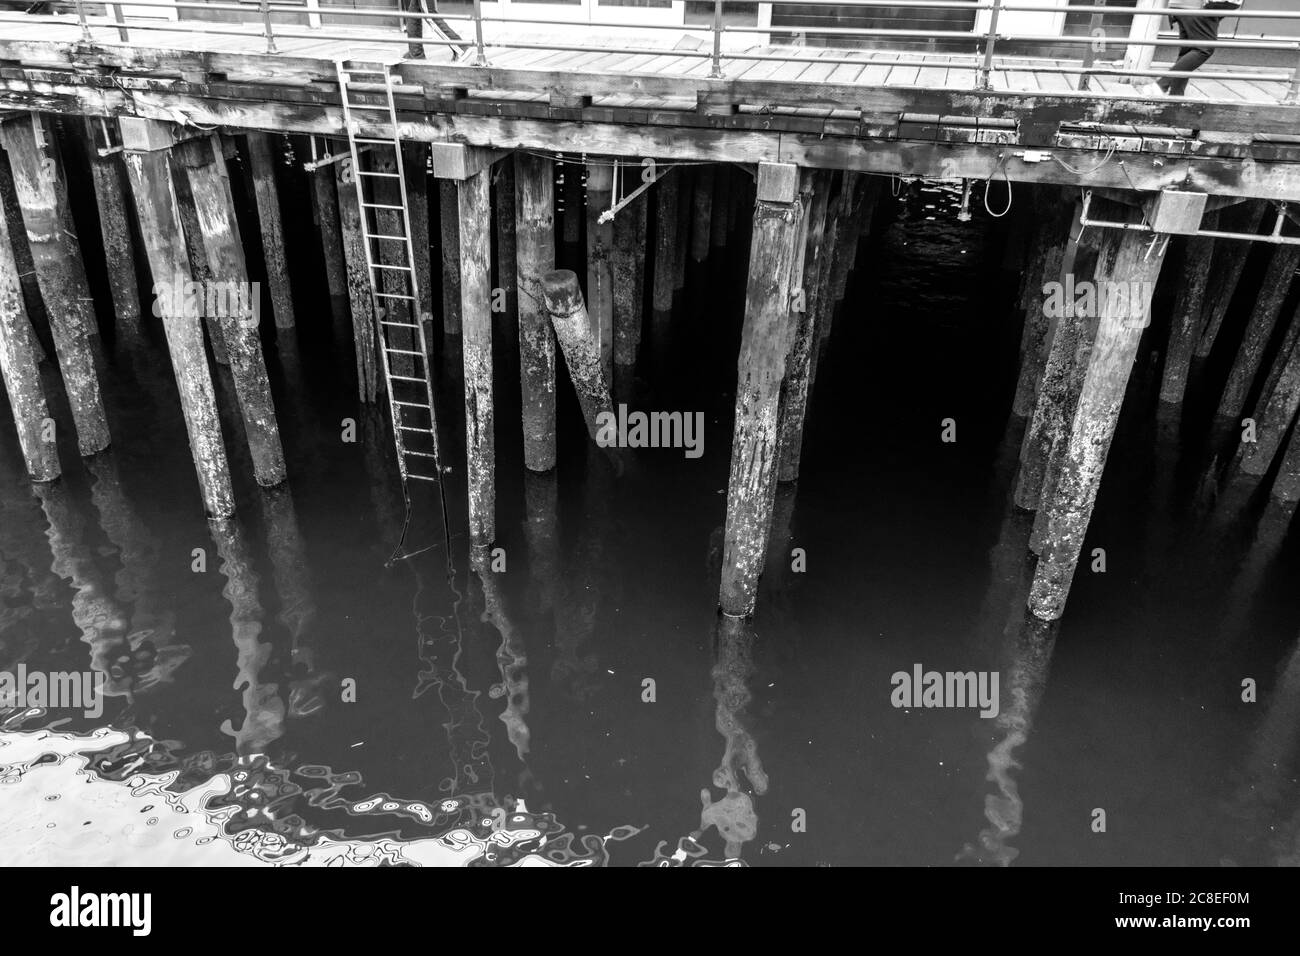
x=1189, y=59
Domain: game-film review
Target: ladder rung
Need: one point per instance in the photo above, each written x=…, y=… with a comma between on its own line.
x=406, y=378
x=376, y=142
x=374, y=235
x=403, y=352
x=415, y=428
x=412, y=405
x=397, y=325
x=380, y=265
x=376, y=205
x=424, y=478
x=396, y=295
x=379, y=175
x=422, y=454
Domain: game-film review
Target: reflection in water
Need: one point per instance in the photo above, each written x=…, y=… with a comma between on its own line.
x=511, y=655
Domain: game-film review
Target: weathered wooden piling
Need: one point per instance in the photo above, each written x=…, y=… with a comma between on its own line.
x=628, y=270
x=702, y=212
x=475, y=203
x=41, y=187
x=115, y=232
x=665, y=193
x=858, y=211
x=507, y=239
x=769, y=329
x=1263, y=320
x=261, y=161
x=1189, y=304
x=415, y=168
x=816, y=194
x=1273, y=413
x=1225, y=272
x=600, y=270
x=198, y=258
x=209, y=180
x=534, y=234
x=721, y=203
x=449, y=245
x=1047, y=264
x=1126, y=257
x=160, y=225
x=325, y=201
x=358, y=278
x=1286, y=486
x=392, y=254
x=681, y=243
x=20, y=370
x=576, y=335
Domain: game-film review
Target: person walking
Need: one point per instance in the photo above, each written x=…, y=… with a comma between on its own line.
x=1197, y=25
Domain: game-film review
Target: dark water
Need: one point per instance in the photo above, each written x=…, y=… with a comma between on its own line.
x=773, y=741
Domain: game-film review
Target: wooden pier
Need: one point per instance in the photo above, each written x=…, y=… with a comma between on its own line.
x=803, y=136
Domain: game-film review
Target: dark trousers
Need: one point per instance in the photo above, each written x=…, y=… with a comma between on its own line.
x=1189, y=58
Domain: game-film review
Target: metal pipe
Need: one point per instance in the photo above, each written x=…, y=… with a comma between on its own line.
x=716, y=71
x=266, y=26
x=480, y=57
x=990, y=40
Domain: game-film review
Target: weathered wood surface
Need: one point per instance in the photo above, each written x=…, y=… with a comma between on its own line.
x=449, y=248
x=475, y=207
x=628, y=267
x=1225, y=272
x=1259, y=330
x=358, y=276
x=600, y=270
x=325, y=204
x=267, y=194
x=534, y=205
x=575, y=334
x=1185, y=325
x=665, y=195
x=41, y=188
x=115, y=233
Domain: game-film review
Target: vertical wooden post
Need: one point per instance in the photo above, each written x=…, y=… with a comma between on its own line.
x=1124, y=258
x=115, y=231
x=198, y=259
x=1185, y=325
x=816, y=188
x=20, y=370
x=535, y=235
x=721, y=203
x=1047, y=265
x=600, y=274
x=267, y=194
x=358, y=276
x=628, y=270
x=1229, y=261
x=507, y=240
x=1263, y=320
x=326, y=203
x=574, y=207
x=574, y=332
x=1286, y=486
x=475, y=204
x=779, y=228
x=449, y=243
x=1273, y=413
x=702, y=212
x=665, y=191
x=682, y=240
x=43, y=197
x=415, y=165
x=209, y=180
x=858, y=211
x=160, y=224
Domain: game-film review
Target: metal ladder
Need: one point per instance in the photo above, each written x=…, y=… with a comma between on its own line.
x=410, y=397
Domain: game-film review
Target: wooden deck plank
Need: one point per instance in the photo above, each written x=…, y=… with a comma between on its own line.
x=877, y=70
x=903, y=75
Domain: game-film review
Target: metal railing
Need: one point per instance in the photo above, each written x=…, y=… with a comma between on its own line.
x=980, y=49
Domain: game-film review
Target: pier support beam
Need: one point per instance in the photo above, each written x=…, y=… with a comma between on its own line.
x=665, y=193
x=1132, y=259
x=209, y=180
x=769, y=330
x=326, y=204
x=535, y=238
x=600, y=270
x=1229, y=261
x=449, y=245
x=721, y=204
x=682, y=240
x=1274, y=412
x=358, y=277
x=571, y=170
x=115, y=232
x=1189, y=303
x=267, y=194
x=506, y=220
x=41, y=186
x=1054, y=236
x=628, y=268
x=475, y=204
x=19, y=366
x=798, y=381
x=160, y=224
x=702, y=212
x=1263, y=320
x=576, y=335
x=415, y=167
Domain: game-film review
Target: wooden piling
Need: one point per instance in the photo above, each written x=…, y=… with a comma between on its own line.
x=665, y=193
x=702, y=212
x=1273, y=413
x=415, y=167
x=115, y=233
x=1225, y=272
x=20, y=370
x=507, y=239
x=1263, y=320
x=1189, y=304
x=628, y=268
x=682, y=240
x=575, y=333
x=721, y=203
x=1047, y=265
x=209, y=180
x=534, y=179
x=267, y=194
x=816, y=191
x=160, y=225
x=600, y=273
x=856, y=212
x=358, y=279
x=42, y=196
x=198, y=259
x=574, y=207
x=769, y=329
x=449, y=244
x=475, y=203
x=1124, y=257
x=1286, y=486
x=326, y=203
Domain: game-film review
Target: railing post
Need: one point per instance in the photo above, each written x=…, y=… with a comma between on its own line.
x=480, y=57
x=266, y=26
x=1096, y=25
x=716, y=72
x=990, y=40
x=122, y=33
x=81, y=16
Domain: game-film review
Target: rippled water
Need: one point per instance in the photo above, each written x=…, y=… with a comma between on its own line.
x=500, y=717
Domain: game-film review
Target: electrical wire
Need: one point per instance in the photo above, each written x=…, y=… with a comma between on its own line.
x=1002, y=165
